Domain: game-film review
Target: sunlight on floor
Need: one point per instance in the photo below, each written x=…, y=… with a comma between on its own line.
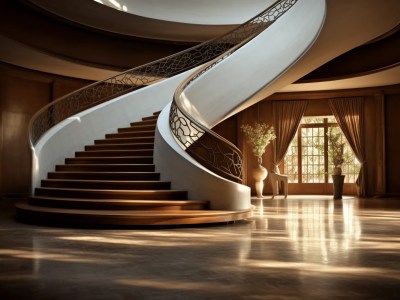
x=305, y=246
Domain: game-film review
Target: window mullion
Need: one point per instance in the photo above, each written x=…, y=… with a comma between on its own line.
x=326, y=162
x=299, y=154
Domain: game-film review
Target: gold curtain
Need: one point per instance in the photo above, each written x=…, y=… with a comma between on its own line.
x=286, y=119
x=349, y=113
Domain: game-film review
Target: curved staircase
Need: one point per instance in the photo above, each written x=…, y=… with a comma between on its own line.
x=113, y=182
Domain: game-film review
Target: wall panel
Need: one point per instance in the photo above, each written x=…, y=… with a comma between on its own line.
x=392, y=138
x=22, y=93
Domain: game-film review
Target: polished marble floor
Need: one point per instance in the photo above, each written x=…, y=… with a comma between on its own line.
x=309, y=247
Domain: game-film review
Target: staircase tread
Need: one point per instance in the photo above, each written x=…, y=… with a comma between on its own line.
x=108, y=181
x=136, y=213
x=133, y=201
x=121, y=151
x=118, y=135
x=145, y=119
x=143, y=125
x=76, y=165
x=126, y=144
x=110, y=158
x=113, y=190
x=137, y=131
x=107, y=157
x=104, y=175
x=133, y=129
x=152, y=126
x=127, y=138
x=103, y=172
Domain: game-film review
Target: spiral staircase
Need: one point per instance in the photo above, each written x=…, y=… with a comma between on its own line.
x=168, y=168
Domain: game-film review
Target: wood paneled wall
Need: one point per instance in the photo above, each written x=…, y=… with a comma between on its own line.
x=392, y=142
x=22, y=93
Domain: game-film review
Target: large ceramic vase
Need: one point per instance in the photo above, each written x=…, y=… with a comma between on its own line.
x=338, y=181
x=259, y=175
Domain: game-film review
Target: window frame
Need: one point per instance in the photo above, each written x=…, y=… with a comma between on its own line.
x=325, y=125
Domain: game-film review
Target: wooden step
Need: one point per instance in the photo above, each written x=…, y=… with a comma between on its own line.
x=115, y=153
x=107, y=168
x=117, y=204
x=119, y=146
x=136, y=129
x=49, y=215
x=149, y=133
x=132, y=140
x=153, y=117
x=110, y=160
x=157, y=113
x=112, y=194
x=105, y=175
x=107, y=184
x=145, y=122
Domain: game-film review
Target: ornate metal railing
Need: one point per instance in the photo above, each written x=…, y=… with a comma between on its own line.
x=123, y=83
x=211, y=150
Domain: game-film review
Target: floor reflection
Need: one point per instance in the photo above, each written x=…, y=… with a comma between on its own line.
x=296, y=248
x=320, y=231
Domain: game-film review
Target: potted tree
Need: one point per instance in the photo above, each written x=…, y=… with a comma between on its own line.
x=336, y=154
x=258, y=137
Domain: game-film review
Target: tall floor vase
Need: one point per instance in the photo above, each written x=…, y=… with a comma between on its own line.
x=259, y=175
x=338, y=181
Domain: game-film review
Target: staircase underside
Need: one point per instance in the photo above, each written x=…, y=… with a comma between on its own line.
x=113, y=182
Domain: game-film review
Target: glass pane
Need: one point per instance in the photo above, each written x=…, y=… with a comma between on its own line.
x=332, y=119
x=312, y=120
x=313, y=164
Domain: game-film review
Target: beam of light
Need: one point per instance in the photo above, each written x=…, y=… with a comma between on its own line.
x=78, y=119
x=116, y=4
x=323, y=269
x=50, y=256
x=172, y=284
x=136, y=242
